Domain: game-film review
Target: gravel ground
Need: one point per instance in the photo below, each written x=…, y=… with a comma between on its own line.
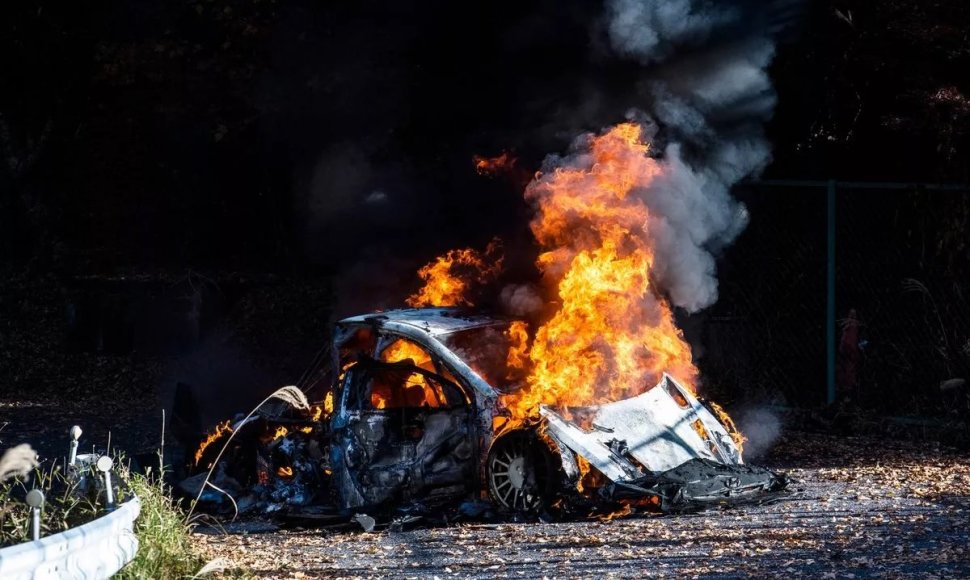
x=860, y=507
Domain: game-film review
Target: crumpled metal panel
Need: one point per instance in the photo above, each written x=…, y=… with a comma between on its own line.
x=653, y=429
x=699, y=482
x=430, y=321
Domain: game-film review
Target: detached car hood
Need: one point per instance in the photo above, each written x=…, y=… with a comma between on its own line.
x=651, y=433
x=663, y=446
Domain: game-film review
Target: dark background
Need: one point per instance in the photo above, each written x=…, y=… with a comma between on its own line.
x=190, y=189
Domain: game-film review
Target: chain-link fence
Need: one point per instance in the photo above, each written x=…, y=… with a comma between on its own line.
x=901, y=339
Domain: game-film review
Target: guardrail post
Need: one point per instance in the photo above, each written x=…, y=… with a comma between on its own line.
x=104, y=466
x=35, y=499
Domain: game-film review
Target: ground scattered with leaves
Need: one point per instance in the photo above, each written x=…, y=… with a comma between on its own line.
x=859, y=507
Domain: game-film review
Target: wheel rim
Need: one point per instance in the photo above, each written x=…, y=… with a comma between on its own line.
x=517, y=474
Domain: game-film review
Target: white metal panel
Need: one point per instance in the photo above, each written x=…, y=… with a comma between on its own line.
x=656, y=430
x=95, y=550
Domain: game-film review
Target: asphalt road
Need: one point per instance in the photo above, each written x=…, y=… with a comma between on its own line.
x=860, y=508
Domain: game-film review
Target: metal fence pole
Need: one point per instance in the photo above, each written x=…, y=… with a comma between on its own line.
x=830, y=345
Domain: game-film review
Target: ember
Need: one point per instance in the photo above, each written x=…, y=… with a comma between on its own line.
x=492, y=166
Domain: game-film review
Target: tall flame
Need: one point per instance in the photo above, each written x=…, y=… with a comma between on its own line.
x=613, y=335
x=449, y=277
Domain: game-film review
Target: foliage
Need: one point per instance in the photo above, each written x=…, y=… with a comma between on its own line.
x=165, y=548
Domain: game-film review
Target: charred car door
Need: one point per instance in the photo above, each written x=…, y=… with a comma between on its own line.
x=401, y=433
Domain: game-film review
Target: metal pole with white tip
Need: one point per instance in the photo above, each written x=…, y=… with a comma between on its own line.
x=75, y=435
x=35, y=499
x=104, y=466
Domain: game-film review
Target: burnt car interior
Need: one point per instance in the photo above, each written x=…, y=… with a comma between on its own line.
x=402, y=433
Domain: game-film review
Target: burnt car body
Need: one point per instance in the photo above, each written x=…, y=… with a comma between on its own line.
x=418, y=419
x=412, y=419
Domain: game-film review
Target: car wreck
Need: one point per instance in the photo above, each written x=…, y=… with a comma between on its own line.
x=413, y=420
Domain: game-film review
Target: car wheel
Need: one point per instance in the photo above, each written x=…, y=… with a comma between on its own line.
x=521, y=473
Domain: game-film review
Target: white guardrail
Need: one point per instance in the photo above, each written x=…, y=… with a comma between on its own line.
x=97, y=549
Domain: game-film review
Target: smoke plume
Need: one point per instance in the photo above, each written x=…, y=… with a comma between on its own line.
x=709, y=94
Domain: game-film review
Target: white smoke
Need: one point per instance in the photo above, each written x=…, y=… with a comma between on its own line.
x=520, y=300
x=762, y=428
x=710, y=95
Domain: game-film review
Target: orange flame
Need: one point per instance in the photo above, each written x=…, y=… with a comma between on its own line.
x=285, y=472
x=518, y=335
x=492, y=166
x=624, y=510
x=729, y=425
x=403, y=349
x=613, y=334
x=448, y=278
x=216, y=434
x=325, y=409
x=281, y=431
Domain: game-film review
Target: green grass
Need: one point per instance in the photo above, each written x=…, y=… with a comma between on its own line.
x=164, y=535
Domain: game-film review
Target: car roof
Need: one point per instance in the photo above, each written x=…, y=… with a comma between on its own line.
x=434, y=321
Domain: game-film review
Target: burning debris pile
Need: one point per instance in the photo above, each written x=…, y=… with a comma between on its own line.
x=269, y=461
x=586, y=399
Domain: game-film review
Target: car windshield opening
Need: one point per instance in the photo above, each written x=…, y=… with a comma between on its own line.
x=486, y=350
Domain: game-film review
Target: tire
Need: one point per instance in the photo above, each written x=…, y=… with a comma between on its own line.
x=522, y=474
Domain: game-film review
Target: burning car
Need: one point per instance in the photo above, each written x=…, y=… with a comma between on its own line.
x=416, y=414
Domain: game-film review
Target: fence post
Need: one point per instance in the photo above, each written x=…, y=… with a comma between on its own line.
x=830, y=344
